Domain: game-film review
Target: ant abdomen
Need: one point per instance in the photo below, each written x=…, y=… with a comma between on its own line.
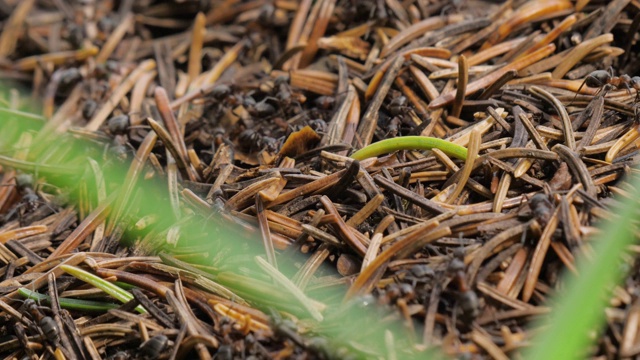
x=597, y=78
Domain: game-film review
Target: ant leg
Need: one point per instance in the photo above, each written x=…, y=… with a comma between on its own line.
x=44, y=203
x=523, y=236
x=133, y=150
x=9, y=214
x=297, y=104
x=589, y=77
x=445, y=9
x=272, y=98
x=628, y=88
x=635, y=84
x=605, y=89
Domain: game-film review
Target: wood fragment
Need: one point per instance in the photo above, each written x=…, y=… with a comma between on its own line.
x=369, y=119
x=463, y=79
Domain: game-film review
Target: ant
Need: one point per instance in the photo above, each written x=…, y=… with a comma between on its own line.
x=120, y=129
x=153, y=348
x=62, y=81
x=288, y=99
x=280, y=99
x=318, y=125
x=418, y=274
x=221, y=98
x=468, y=302
x=251, y=140
x=150, y=349
x=30, y=200
x=399, y=105
x=289, y=330
x=396, y=291
x=47, y=325
x=260, y=109
x=325, y=102
x=89, y=108
x=541, y=208
x=92, y=91
x=606, y=81
x=44, y=325
x=121, y=124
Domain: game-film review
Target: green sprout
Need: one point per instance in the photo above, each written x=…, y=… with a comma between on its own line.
x=410, y=143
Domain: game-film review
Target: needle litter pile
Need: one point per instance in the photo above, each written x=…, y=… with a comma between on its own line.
x=180, y=178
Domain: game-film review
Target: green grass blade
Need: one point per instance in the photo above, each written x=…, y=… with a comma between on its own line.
x=580, y=307
x=113, y=290
x=69, y=304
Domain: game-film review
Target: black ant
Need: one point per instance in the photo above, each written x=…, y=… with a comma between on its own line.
x=542, y=209
x=285, y=328
x=93, y=90
x=264, y=109
x=251, y=140
x=455, y=6
x=325, y=102
x=260, y=109
x=46, y=324
x=30, y=200
x=221, y=92
x=318, y=125
x=120, y=128
x=288, y=329
x=41, y=323
x=89, y=108
x=606, y=81
x=224, y=352
x=288, y=99
x=468, y=302
x=418, y=274
x=398, y=106
x=121, y=125
x=25, y=183
x=62, y=81
x=153, y=348
x=221, y=98
x=396, y=291
x=281, y=100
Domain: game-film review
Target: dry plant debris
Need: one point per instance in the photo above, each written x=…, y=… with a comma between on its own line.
x=248, y=111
